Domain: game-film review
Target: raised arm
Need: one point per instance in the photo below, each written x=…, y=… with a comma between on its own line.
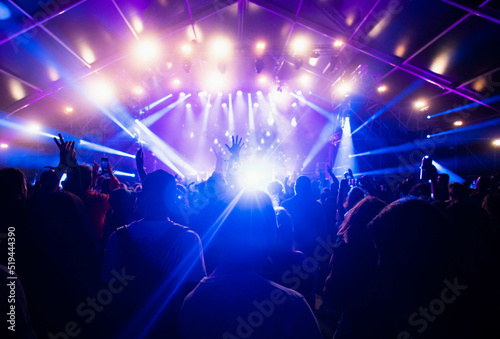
x=139, y=161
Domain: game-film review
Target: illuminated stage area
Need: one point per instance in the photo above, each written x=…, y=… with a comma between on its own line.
x=232, y=117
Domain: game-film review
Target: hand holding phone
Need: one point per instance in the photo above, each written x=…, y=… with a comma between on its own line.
x=104, y=165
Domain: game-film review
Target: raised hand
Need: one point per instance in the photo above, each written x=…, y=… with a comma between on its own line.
x=236, y=146
x=139, y=158
x=67, y=153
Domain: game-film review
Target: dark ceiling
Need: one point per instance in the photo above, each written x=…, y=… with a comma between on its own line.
x=447, y=52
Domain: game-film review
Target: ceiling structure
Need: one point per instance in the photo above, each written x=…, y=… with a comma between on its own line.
x=443, y=53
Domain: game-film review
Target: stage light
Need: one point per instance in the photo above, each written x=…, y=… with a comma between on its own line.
x=313, y=61
x=224, y=105
x=428, y=117
x=259, y=92
x=344, y=89
x=176, y=82
x=200, y=94
x=239, y=93
x=124, y=174
x=255, y=105
x=221, y=47
x=262, y=141
x=305, y=80
x=270, y=121
x=103, y=91
x=458, y=123
x=299, y=45
x=187, y=49
x=262, y=80
x=428, y=136
x=268, y=133
x=227, y=134
x=338, y=43
x=382, y=88
x=188, y=105
x=68, y=110
x=421, y=105
x=299, y=92
x=294, y=122
x=4, y=146
x=148, y=50
x=294, y=104
x=216, y=141
x=259, y=65
x=260, y=46
x=182, y=94
x=138, y=90
x=496, y=142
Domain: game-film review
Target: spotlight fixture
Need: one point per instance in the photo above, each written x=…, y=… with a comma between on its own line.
x=338, y=43
x=4, y=146
x=259, y=65
x=188, y=105
x=458, y=123
x=138, y=90
x=382, y=88
x=421, y=105
x=68, y=110
x=176, y=82
x=496, y=142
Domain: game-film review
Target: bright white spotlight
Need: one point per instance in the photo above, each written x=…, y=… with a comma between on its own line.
x=4, y=146
x=299, y=92
x=138, y=90
x=338, y=43
x=262, y=141
x=187, y=49
x=421, y=105
x=294, y=122
x=344, y=88
x=382, y=88
x=294, y=104
x=176, y=82
x=299, y=45
x=262, y=80
x=255, y=105
x=496, y=142
x=221, y=47
x=103, y=91
x=268, y=133
x=188, y=105
x=216, y=141
x=259, y=92
x=148, y=50
x=68, y=110
x=191, y=135
x=270, y=121
x=224, y=105
x=458, y=123
x=260, y=46
x=305, y=80
x=239, y=93
x=227, y=134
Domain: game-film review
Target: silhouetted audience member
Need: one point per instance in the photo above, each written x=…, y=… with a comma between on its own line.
x=276, y=191
x=352, y=288
x=234, y=301
x=308, y=217
x=122, y=212
x=281, y=266
x=427, y=294
x=163, y=260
